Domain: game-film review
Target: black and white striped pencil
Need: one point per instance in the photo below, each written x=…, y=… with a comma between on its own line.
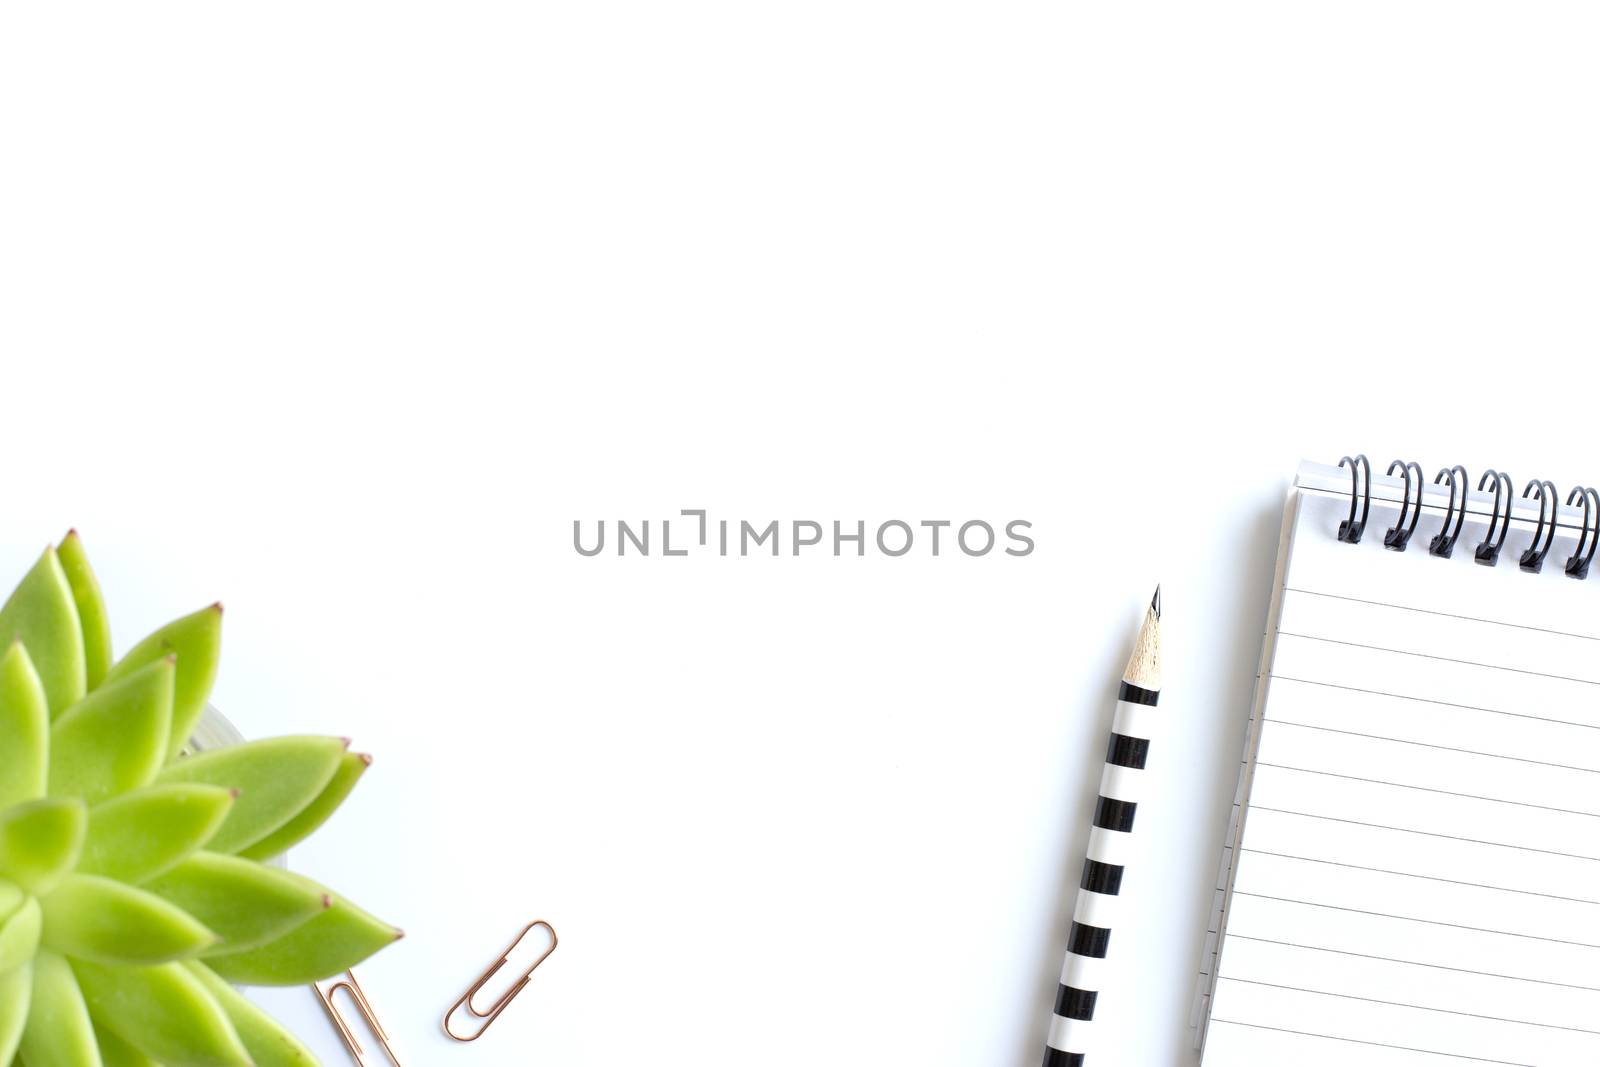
x=1083, y=972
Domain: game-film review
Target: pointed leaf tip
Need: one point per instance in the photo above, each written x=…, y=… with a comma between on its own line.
x=40, y=842
x=42, y=613
x=335, y=940
x=89, y=917
x=114, y=739
x=91, y=607
x=19, y=935
x=196, y=639
x=143, y=834
x=278, y=777
x=24, y=729
x=316, y=812
x=245, y=903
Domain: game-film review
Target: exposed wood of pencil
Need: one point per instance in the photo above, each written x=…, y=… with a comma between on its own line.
x=1144, y=666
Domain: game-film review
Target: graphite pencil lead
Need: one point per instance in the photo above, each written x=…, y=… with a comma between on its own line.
x=1155, y=602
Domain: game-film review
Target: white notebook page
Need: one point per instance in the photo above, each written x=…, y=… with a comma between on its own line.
x=1417, y=880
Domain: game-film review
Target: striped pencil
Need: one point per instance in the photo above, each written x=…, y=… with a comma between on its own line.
x=1081, y=974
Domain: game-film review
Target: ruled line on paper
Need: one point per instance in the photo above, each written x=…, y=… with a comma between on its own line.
x=1402, y=1004
x=1412, y=874
x=1416, y=919
x=1441, y=659
x=1428, y=789
x=1430, y=700
x=1441, y=748
x=1416, y=963
x=1426, y=833
x=1441, y=614
x=1358, y=1041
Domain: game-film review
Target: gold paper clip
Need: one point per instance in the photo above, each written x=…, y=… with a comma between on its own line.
x=505, y=998
x=349, y=984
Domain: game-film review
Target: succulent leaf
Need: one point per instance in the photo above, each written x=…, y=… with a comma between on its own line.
x=333, y=941
x=24, y=728
x=164, y=1012
x=92, y=918
x=19, y=935
x=59, y=1032
x=115, y=1052
x=196, y=640
x=276, y=778
x=269, y=1044
x=245, y=903
x=41, y=614
x=92, y=619
x=141, y=834
x=114, y=739
x=352, y=765
x=40, y=841
x=11, y=898
x=16, y=989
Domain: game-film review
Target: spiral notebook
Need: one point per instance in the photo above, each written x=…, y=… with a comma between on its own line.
x=1412, y=873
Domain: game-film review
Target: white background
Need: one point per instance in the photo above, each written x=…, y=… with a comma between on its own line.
x=343, y=312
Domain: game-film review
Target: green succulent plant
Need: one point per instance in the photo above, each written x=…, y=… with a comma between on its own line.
x=132, y=889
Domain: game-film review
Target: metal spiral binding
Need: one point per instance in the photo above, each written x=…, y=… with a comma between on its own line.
x=1444, y=542
x=1350, y=529
x=1578, y=562
x=1533, y=558
x=1400, y=536
x=1487, y=552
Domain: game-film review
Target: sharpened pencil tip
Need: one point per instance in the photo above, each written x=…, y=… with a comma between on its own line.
x=1144, y=666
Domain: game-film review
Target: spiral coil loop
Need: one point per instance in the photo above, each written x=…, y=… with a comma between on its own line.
x=1533, y=556
x=1488, y=550
x=1578, y=563
x=1444, y=542
x=1413, y=492
x=1400, y=535
x=1350, y=530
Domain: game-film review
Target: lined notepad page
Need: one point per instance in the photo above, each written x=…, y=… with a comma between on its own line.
x=1417, y=876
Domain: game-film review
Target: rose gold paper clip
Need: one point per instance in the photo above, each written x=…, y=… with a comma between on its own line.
x=500, y=1005
x=325, y=992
